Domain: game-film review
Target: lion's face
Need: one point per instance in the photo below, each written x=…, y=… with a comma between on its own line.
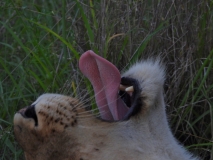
x=42, y=126
x=132, y=123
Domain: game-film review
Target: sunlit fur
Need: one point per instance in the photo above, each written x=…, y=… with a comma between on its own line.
x=66, y=131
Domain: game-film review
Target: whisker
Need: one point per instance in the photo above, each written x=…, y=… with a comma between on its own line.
x=86, y=116
x=89, y=111
x=99, y=93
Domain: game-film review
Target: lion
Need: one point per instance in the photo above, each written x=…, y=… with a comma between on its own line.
x=131, y=124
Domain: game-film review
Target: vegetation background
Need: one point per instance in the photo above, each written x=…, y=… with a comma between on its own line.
x=41, y=41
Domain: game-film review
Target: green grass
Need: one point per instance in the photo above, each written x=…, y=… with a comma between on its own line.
x=41, y=42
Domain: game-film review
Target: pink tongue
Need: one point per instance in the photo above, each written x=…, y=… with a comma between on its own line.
x=105, y=79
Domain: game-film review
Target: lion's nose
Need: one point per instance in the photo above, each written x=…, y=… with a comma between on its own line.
x=29, y=112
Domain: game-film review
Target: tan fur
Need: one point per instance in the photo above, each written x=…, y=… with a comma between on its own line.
x=66, y=131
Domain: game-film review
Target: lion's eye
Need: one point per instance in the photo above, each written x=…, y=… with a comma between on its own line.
x=30, y=113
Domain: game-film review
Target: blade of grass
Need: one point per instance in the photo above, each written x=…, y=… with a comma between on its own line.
x=76, y=54
x=199, y=145
x=86, y=23
x=95, y=24
x=35, y=75
x=63, y=26
x=209, y=68
x=18, y=40
x=90, y=33
x=124, y=44
x=207, y=61
x=143, y=45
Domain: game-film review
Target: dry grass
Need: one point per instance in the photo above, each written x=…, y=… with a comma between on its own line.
x=40, y=45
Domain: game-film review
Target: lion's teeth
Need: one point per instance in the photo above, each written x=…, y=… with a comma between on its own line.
x=129, y=89
x=122, y=87
x=126, y=88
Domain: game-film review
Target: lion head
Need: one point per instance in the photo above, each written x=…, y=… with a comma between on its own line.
x=132, y=122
